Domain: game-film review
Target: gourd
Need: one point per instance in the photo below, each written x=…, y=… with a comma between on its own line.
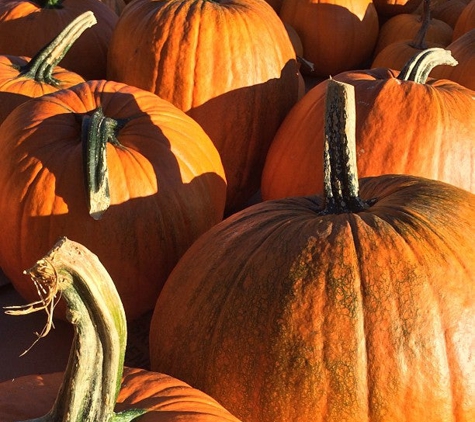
x=358, y=305
x=95, y=385
x=24, y=77
x=26, y=26
x=406, y=123
x=111, y=166
x=229, y=65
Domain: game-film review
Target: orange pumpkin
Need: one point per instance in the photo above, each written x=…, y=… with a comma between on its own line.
x=95, y=386
x=406, y=26
x=337, y=35
x=224, y=64
x=355, y=306
x=448, y=10
x=114, y=167
x=22, y=77
x=388, y=8
x=406, y=123
x=26, y=26
x=463, y=50
x=396, y=54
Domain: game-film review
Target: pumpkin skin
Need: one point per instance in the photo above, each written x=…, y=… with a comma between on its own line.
x=166, y=398
x=336, y=35
x=388, y=8
x=359, y=316
x=26, y=26
x=207, y=60
x=405, y=27
x=23, y=77
x=435, y=140
x=462, y=49
x=167, y=187
x=449, y=10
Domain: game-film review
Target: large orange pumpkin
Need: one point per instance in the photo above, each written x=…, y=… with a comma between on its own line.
x=24, y=77
x=406, y=123
x=229, y=65
x=355, y=306
x=92, y=388
x=26, y=26
x=154, y=180
x=337, y=35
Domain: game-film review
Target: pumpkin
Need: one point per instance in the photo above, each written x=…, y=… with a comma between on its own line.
x=358, y=305
x=22, y=77
x=448, y=10
x=465, y=21
x=208, y=60
x=337, y=35
x=115, y=168
x=463, y=50
x=396, y=54
x=26, y=26
x=388, y=8
x=407, y=26
x=407, y=123
x=95, y=378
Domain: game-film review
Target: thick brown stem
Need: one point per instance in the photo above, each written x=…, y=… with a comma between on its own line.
x=419, y=41
x=341, y=186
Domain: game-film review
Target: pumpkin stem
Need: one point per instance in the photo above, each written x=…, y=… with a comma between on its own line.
x=418, y=67
x=419, y=41
x=341, y=186
x=97, y=130
x=49, y=4
x=40, y=67
x=92, y=379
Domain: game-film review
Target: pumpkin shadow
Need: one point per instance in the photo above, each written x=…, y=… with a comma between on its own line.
x=242, y=123
x=152, y=220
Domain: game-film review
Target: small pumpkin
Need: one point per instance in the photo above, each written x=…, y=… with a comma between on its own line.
x=26, y=26
x=23, y=77
x=229, y=65
x=406, y=26
x=396, y=54
x=95, y=386
x=358, y=305
x=407, y=123
x=115, y=168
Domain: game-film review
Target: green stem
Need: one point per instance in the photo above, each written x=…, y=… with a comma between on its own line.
x=41, y=66
x=417, y=69
x=92, y=380
x=341, y=185
x=49, y=4
x=97, y=130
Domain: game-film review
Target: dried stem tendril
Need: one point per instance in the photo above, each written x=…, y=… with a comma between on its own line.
x=47, y=282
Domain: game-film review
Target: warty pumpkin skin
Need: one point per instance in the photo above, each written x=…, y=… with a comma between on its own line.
x=26, y=26
x=166, y=185
x=358, y=305
x=422, y=128
x=228, y=64
x=28, y=77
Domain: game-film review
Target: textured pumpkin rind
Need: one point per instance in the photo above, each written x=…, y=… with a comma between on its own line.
x=164, y=193
x=356, y=317
x=166, y=398
x=233, y=70
x=402, y=127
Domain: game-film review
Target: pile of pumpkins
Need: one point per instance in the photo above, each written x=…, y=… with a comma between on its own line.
x=288, y=186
